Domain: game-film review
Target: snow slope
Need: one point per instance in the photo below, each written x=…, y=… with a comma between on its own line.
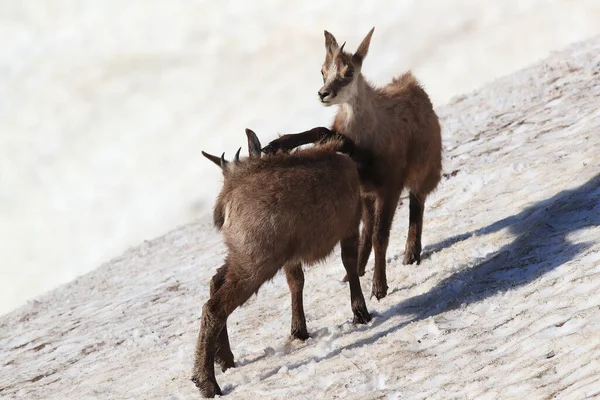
x=105, y=105
x=506, y=303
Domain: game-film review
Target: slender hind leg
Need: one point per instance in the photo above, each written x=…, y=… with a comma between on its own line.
x=412, y=251
x=349, y=247
x=385, y=207
x=224, y=356
x=366, y=237
x=295, y=280
x=214, y=316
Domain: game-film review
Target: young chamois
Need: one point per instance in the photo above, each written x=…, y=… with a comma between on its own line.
x=278, y=211
x=398, y=125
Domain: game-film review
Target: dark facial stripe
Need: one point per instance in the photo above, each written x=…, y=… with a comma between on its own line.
x=337, y=84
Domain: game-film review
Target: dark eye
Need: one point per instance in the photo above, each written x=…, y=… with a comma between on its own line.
x=349, y=74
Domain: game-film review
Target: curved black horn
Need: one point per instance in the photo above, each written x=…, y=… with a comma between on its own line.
x=342, y=48
x=237, y=156
x=224, y=162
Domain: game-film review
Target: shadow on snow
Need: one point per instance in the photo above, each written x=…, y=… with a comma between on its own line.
x=541, y=244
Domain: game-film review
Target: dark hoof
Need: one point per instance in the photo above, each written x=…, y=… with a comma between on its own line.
x=379, y=291
x=224, y=358
x=273, y=148
x=301, y=334
x=361, y=316
x=412, y=256
x=226, y=363
x=269, y=149
x=208, y=388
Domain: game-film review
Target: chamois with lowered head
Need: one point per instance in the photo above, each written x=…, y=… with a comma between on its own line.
x=278, y=211
x=398, y=125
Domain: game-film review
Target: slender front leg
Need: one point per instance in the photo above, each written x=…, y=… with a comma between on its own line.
x=293, y=140
x=362, y=156
x=385, y=207
x=295, y=280
x=412, y=250
x=224, y=356
x=349, y=247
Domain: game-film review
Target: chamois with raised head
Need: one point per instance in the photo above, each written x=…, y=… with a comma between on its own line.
x=398, y=125
x=275, y=211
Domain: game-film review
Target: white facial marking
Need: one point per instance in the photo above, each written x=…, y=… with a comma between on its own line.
x=331, y=73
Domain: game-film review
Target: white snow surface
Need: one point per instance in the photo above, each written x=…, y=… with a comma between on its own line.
x=506, y=303
x=105, y=105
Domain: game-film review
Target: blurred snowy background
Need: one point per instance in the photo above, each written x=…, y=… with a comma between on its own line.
x=105, y=105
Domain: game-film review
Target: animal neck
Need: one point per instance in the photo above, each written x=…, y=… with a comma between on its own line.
x=359, y=107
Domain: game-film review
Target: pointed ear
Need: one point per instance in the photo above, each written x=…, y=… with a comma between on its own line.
x=214, y=159
x=253, y=144
x=363, y=49
x=331, y=45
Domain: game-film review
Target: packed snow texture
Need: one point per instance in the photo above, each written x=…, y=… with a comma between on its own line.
x=105, y=105
x=506, y=303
